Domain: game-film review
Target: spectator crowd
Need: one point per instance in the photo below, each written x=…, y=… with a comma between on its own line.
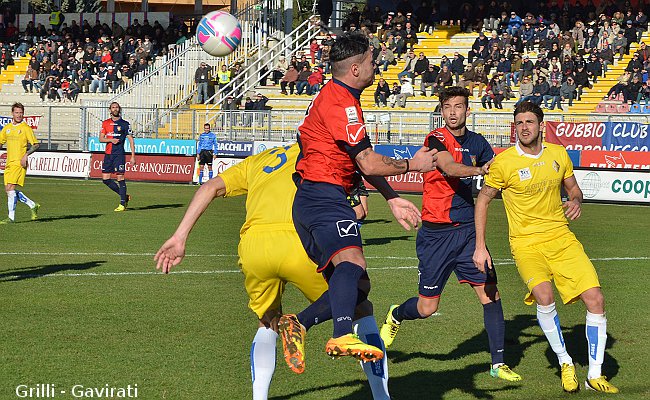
x=68, y=59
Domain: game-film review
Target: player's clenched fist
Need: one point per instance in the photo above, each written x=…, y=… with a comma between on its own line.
x=424, y=160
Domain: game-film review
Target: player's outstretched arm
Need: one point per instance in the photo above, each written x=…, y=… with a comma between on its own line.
x=372, y=163
x=573, y=206
x=450, y=167
x=172, y=252
x=481, y=256
x=405, y=212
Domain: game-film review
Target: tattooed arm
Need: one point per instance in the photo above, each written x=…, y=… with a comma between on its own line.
x=372, y=163
x=481, y=255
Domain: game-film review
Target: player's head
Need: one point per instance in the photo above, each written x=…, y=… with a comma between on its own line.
x=206, y=127
x=116, y=109
x=529, y=118
x=454, y=106
x=351, y=60
x=17, y=112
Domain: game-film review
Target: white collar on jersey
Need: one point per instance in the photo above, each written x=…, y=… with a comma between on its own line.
x=523, y=153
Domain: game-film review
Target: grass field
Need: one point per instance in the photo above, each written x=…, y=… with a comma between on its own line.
x=83, y=305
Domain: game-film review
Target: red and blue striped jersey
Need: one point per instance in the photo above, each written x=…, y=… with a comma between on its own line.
x=334, y=124
x=119, y=129
x=447, y=199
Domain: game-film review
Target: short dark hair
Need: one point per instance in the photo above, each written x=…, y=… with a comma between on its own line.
x=454, y=91
x=17, y=105
x=348, y=45
x=528, y=106
x=206, y=124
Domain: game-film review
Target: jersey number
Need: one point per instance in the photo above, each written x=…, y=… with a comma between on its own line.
x=281, y=156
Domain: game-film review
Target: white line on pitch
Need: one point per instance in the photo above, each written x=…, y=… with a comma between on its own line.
x=232, y=271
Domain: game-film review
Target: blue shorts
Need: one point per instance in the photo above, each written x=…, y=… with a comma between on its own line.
x=442, y=251
x=324, y=220
x=114, y=164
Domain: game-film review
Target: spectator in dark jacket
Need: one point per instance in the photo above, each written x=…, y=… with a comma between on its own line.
x=479, y=48
x=457, y=66
x=582, y=81
x=429, y=79
x=540, y=89
x=382, y=92
x=554, y=96
x=594, y=68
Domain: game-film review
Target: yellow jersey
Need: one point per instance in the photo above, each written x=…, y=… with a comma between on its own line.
x=531, y=192
x=16, y=138
x=266, y=177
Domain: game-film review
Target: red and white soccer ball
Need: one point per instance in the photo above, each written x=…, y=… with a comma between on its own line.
x=218, y=33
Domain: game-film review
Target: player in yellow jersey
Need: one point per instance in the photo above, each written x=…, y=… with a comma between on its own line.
x=16, y=135
x=529, y=175
x=270, y=254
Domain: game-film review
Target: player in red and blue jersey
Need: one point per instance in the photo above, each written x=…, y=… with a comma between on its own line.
x=334, y=146
x=447, y=239
x=115, y=132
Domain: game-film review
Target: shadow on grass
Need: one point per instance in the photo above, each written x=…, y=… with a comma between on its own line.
x=156, y=206
x=302, y=392
x=417, y=385
x=516, y=343
x=522, y=332
x=44, y=270
x=63, y=217
x=385, y=240
x=375, y=221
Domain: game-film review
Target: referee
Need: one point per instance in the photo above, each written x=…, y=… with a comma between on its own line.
x=206, y=149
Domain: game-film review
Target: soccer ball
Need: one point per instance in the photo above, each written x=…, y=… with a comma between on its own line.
x=219, y=33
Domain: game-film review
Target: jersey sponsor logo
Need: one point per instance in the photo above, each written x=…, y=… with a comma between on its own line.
x=556, y=166
x=356, y=132
x=351, y=113
x=524, y=174
x=347, y=227
x=430, y=287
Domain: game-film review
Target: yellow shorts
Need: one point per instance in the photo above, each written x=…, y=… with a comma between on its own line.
x=562, y=260
x=15, y=174
x=269, y=258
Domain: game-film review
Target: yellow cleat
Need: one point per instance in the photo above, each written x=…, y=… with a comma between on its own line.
x=35, y=211
x=389, y=328
x=504, y=372
x=120, y=208
x=293, y=342
x=7, y=221
x=569, y=378
x=351, y=345
x=600, y=384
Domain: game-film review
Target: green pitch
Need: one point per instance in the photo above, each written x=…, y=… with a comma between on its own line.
x=81, y=304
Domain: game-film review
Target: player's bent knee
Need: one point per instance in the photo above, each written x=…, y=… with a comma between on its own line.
x=353, y=255
x=594, y=300
x=427, y=307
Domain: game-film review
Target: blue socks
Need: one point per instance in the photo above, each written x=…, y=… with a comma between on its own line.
x=317, y=312
x=122, y=192
x=407, y=310
x=111, y=185
x=496, y=329
x=201, y=177
x=343, y=296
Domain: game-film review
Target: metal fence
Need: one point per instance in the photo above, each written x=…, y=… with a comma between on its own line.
x=396, y=127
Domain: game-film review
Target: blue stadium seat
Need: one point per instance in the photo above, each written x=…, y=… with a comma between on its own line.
x=635, y=109
x=646, y=109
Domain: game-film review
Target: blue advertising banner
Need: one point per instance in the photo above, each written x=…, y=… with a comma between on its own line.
x=229, y=148
x=396, y=151
x=574, y=155
x=626, y=136
x=150, y=146
x=602, y=136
